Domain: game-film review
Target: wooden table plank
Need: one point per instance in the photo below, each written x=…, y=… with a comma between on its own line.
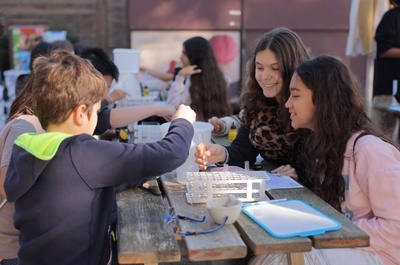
x=141, y=241
x=223, y=244
x=348, y=236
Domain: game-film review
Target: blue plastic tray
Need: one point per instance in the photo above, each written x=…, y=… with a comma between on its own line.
x=288, y=218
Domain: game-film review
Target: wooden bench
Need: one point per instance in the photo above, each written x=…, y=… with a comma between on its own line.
x=143, y=236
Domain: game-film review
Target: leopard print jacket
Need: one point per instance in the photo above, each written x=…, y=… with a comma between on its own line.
x=268, y=136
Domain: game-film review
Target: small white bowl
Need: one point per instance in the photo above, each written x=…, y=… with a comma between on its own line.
x=218, y=210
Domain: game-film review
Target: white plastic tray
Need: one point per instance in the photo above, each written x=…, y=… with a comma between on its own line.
x=146, y=133
x=247, y=186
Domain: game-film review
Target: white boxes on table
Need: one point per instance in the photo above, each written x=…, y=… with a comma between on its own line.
x=146, y=133
x=136, y=101
x=247, y=186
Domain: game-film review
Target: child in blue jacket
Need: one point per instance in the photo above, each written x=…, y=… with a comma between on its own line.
x=62, y=181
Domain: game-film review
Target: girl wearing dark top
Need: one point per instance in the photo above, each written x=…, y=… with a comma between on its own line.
x=266, y=130
x=387, y=67
x=387, y=62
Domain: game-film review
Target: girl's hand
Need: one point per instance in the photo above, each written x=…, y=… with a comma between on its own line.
x=116, y=94
x=189, y=70
x=286, y=170
x=219, y=125
x=166, y=111
x=207, y=154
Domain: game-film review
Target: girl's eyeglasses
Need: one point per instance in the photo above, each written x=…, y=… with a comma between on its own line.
x=169, y=218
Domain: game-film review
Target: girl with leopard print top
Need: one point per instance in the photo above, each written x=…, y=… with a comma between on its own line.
x=266, y=128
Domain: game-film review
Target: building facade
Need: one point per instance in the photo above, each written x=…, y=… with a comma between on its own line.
x=322, y=24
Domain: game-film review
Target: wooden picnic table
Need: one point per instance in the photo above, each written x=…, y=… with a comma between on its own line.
x=144, y=237
x=349, y=235
x=258, y=240
x=229, y=240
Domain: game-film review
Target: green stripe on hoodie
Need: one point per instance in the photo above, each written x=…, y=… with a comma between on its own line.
x=43, y=146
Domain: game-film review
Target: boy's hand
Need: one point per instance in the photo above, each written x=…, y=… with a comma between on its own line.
x=219, y=125
x=185, y=112
x=207, y=154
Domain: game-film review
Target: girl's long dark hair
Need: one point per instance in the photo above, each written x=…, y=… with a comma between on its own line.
x=22, y=104
x=289, y=51
x=208, y=90
x=339, y=114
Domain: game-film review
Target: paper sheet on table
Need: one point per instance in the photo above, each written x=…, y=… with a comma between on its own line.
x=280, y=182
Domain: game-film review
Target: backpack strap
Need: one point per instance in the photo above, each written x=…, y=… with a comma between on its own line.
x=3, y=203
x=358, y=137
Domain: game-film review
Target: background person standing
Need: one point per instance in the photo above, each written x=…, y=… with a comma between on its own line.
x=387, y=67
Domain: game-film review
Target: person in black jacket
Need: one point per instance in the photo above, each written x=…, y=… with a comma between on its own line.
x=62, y=181
x=387, y=62
x=387, y=67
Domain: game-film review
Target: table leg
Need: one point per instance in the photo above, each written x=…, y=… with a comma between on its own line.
x=296, y=258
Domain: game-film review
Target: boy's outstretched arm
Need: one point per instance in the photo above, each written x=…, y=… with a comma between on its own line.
x=121, y=117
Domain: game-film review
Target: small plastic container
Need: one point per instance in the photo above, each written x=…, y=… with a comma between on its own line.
x=232, y=133
x=139, y=101
x=220, y=208
x=127, y=60
x=202, y=133
x=143, y=133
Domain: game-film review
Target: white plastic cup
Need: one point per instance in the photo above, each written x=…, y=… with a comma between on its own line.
x=127, y=60
x=129, y=82
x=202, y=132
